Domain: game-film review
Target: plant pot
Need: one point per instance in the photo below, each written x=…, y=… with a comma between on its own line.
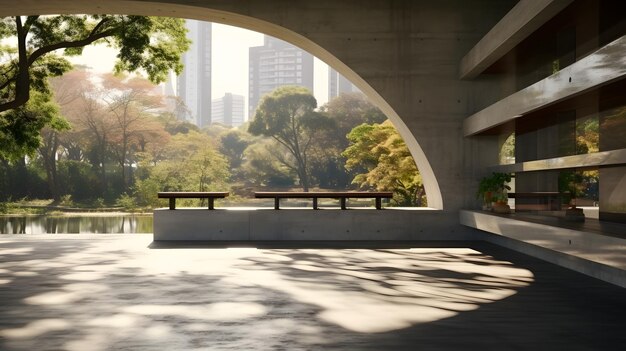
x=501, y=208
x=574, y=214
x=487, y=196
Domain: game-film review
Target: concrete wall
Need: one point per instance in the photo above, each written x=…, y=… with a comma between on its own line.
x=305, y=224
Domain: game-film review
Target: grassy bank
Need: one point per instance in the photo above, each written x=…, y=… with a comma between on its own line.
x=50, y=207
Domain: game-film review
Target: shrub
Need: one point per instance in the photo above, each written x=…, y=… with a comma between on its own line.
x=127, y=202
x=66, y=200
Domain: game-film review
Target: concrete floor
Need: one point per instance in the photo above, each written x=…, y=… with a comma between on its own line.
x=120, y=292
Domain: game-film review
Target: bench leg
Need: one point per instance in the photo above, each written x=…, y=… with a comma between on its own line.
x=211, y=203
x=379, y=205
x=343, y=203
x=172, y=203
x=315, y=204
x=276, y=203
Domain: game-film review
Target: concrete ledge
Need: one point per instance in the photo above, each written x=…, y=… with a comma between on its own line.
x=523, y=19
x=602, y=158
x=602, y=67
x=600, y=256
x=306, y=224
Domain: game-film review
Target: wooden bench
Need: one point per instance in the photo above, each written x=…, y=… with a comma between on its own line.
x=342, y=196
x=173, y=195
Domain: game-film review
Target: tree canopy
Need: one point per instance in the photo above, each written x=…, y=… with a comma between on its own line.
x=20, y=128
x=288, y=116
x=384, y=163
x=153, y=45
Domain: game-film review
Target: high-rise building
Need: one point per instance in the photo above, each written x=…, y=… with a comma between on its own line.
x=276, y=64
x=168, y=90
x=338, y=84
x=193, y=85
x=228, y=110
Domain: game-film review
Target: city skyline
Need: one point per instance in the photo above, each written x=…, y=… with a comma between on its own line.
x=230, y=47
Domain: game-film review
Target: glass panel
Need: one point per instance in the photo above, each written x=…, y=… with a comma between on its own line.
x=587, y=134
x=552, y=192
x=579, y=188
x=613, y=129
x=613, y=194
x=577, y=31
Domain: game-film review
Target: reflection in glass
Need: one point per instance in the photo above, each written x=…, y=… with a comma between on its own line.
x=587, y=134
x=552, y=192
x=613, y=129
x=579, y=187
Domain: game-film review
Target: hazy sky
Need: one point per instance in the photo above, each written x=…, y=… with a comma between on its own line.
x=230, y=62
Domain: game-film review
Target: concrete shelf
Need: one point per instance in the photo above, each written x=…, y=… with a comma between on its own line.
x=604, y=158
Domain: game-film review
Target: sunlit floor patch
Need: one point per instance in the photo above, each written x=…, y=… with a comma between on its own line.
x=111, y=294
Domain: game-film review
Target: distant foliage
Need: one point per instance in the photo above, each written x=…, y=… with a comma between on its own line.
x=384, y=163
x=109, y=141
x=191, y=163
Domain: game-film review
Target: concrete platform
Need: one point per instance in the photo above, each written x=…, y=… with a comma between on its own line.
x=296, y=224
x=123, y=292
x=590, y=248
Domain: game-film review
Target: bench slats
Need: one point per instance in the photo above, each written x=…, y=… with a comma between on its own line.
x=321, y=194
x=342, y=196
x=277, y=195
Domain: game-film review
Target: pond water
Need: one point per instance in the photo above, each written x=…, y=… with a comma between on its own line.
x=76, y=225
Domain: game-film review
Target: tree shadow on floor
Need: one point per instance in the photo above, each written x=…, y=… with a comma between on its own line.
x=118, y=294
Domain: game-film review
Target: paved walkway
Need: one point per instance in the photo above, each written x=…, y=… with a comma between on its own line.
x=122, y=293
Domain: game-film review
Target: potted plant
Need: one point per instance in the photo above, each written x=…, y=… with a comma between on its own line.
x=493, y=190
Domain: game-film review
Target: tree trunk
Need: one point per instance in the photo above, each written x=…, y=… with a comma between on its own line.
x=102, y=165
x=303, y=175
x=48, y=153
x=22, y=181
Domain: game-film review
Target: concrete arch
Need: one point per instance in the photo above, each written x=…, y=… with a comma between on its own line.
x=202, y=11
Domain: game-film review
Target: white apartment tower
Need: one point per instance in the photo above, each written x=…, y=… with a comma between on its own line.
x=276, y=64
x=228, y=110
x=194, y=83
x=338, y=84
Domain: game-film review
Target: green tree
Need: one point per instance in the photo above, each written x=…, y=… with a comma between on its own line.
x=288, y=116
x=233, y=144
x=152, y=44
x=19, y=128
x=192, y=163
x=384, y=163
x=261, y=168
x=174, y=125
x=348, y=110
x=67, y=90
